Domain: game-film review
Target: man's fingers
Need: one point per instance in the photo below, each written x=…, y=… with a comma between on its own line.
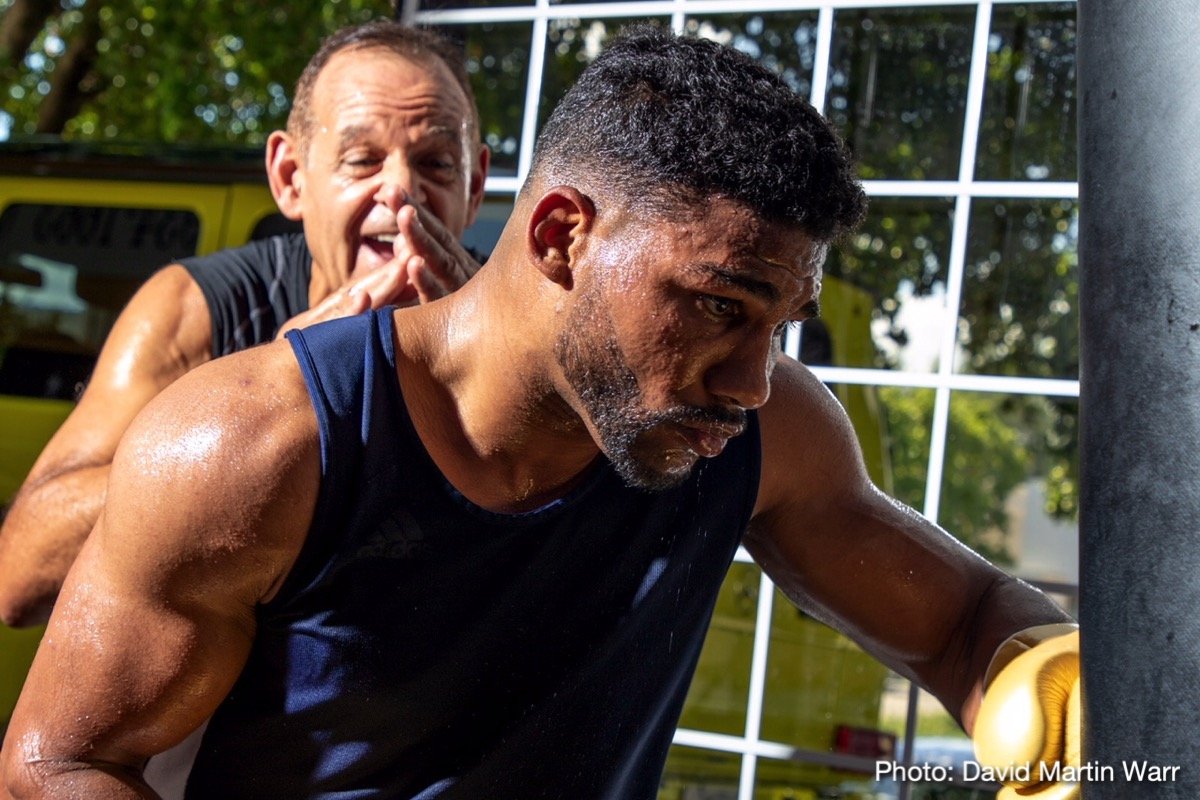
x=377, y=289
x=353, y=302
x=433, y=228
x=424, y=235
x=382, y=286
x=428, y=285
x=418, y=240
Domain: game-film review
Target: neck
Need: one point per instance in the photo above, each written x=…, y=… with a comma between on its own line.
x=480, y=383
x=321, y=284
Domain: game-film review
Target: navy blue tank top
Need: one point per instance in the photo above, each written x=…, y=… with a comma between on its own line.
x=423, y=647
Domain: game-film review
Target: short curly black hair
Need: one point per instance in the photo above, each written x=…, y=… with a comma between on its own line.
x=659, y=118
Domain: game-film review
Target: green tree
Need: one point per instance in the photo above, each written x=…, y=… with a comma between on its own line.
x=987, y=461
x=171, y=71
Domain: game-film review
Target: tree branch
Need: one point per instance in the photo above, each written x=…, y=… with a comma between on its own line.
x=21, y=24
x=73, y=82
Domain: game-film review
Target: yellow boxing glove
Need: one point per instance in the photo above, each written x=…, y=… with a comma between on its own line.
x=1029, y=727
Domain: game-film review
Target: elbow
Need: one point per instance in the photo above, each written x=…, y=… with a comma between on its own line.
x=23, y=605
x=28, y=771
x=27, y=592
x=19, y=778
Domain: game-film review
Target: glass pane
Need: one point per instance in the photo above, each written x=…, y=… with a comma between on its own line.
x=65, y=274
x=1010, y=488
x=898, y=89
x=1020, y=303
x=819, y=684
x=493, y=216
x=908, y=419
x=716, y=701
x=695, y=774
x=1027, y=131
x=572, y=44
x=898, y=262
x=892, y=428
x=498, y=64
x=944, y=750
x=785, y=43
x=794, y=780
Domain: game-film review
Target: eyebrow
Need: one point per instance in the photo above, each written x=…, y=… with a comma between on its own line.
x=443, y=131
x=761, y=289
x=351, y=134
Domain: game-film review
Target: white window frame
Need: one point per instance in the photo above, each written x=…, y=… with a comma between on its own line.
x=943, y=381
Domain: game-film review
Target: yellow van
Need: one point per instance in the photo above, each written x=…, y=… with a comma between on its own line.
x=80, y=229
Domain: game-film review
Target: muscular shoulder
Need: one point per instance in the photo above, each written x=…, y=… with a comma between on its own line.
x=225, y=460
x=164, y=328
x=248, y=411
x=810, y=453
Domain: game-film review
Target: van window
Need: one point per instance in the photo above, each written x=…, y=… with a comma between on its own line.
x=66, y=271
x=274, y=224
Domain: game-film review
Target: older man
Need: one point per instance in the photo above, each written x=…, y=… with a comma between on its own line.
x=471, y=549
x=382, y=164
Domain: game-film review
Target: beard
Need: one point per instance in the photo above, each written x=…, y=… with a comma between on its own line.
x=597, y=370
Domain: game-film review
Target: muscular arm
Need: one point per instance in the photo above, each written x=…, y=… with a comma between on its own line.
x=210, y=496
x=163, y=332
x=907, y=591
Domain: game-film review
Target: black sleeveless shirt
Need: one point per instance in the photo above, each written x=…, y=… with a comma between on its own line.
x=252, y=290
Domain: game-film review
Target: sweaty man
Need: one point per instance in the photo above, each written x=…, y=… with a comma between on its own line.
x=471, y=549
x=382, y=164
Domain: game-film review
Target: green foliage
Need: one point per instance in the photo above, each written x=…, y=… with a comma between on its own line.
x=1020, y=317
x=986, y=458
x=1029, y=121
x=898, y=89
x=497, y=59
x=180, y=71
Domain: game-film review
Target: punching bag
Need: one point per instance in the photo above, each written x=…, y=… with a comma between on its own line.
x=1139, y=253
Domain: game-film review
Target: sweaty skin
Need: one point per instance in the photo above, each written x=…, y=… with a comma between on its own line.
x=214, y=486
x=389, y=179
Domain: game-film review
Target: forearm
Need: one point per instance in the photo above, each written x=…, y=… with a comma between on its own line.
x=41, y=536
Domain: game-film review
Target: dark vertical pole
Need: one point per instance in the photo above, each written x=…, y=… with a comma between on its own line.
x=1139, y=170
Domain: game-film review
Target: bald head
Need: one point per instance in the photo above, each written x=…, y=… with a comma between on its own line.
x=421, y=47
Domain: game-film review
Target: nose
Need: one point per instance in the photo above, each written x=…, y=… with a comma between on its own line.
x=743, y=376
x=397, y=184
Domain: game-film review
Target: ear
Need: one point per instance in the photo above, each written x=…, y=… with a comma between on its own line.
x=560, y=221
x=285, y=173
x=479, y=171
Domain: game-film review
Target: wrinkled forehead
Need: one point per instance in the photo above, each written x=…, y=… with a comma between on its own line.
x=748, y=235
x=390, y=79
